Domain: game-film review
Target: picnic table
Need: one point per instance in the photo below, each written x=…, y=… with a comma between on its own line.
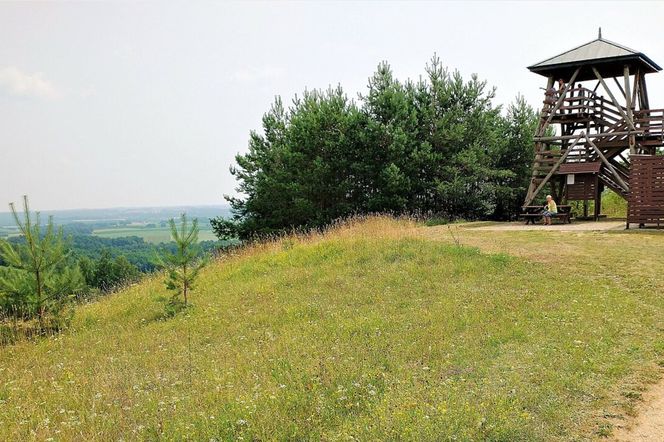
x=534, y=213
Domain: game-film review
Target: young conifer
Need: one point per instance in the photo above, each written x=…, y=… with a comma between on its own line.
x=184, y=265
x=38, y=279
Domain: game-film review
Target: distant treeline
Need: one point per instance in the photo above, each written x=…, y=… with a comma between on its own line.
x=137, y=251
x=107, y=263
x=436, y=146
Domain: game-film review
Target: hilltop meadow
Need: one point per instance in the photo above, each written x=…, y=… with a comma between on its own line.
x=377, y=329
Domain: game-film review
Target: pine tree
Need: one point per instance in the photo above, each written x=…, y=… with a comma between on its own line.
x=38, y=279
x=184, y=265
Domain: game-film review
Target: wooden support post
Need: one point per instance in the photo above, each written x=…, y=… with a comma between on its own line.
x=643, y=93
x=549, y=82
x=635, y=92
x=538, y=145
x=560, y=101
x=630, y=115
x=613, y=98
x=598, y=199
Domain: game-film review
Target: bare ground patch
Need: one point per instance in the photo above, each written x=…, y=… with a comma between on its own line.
x=648, y=425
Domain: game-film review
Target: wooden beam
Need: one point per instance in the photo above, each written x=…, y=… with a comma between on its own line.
x=615, y=102
x=563, y=94
x=553, y=170
x=601, y=135
x=609, y=166
x=622, y=91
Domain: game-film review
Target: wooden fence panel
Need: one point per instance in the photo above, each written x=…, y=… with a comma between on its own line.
x=645, y=204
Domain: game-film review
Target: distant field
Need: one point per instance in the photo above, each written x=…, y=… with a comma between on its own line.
x=153, y=235
x=5, y=232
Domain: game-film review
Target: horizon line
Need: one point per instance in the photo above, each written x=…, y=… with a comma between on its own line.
x=174, y=206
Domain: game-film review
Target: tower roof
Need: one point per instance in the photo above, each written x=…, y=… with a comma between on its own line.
x=608, y=57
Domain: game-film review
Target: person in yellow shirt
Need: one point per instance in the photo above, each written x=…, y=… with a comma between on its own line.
x=550, y=210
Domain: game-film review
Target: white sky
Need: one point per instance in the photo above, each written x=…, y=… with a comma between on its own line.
x=146, y=104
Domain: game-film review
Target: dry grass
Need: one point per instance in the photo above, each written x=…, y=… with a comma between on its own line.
x=379, y=329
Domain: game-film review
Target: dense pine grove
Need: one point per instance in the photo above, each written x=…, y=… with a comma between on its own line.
x=438, y=147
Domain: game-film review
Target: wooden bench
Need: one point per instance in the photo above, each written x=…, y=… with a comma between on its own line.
x=532, y=214
x=532, y=218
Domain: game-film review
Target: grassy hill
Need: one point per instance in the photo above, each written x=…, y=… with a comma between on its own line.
x=378, y=330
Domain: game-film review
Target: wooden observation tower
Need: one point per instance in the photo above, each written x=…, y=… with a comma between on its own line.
x=596, y=120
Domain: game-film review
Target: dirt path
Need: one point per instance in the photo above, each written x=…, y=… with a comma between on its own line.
x=574, y=227
x=649, y=423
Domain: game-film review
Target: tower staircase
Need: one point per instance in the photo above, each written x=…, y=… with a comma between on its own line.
x=593, y=127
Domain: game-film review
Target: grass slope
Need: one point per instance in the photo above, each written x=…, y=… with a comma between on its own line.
x=378, y=330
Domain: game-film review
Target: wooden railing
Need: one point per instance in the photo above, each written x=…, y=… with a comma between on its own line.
x=582, y=101
x=650, y=121
x=604, y=113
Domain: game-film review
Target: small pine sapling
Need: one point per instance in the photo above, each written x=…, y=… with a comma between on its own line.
x=39, y=277
x=184, y=265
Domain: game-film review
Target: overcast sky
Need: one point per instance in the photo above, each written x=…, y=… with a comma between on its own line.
x=146, y=104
